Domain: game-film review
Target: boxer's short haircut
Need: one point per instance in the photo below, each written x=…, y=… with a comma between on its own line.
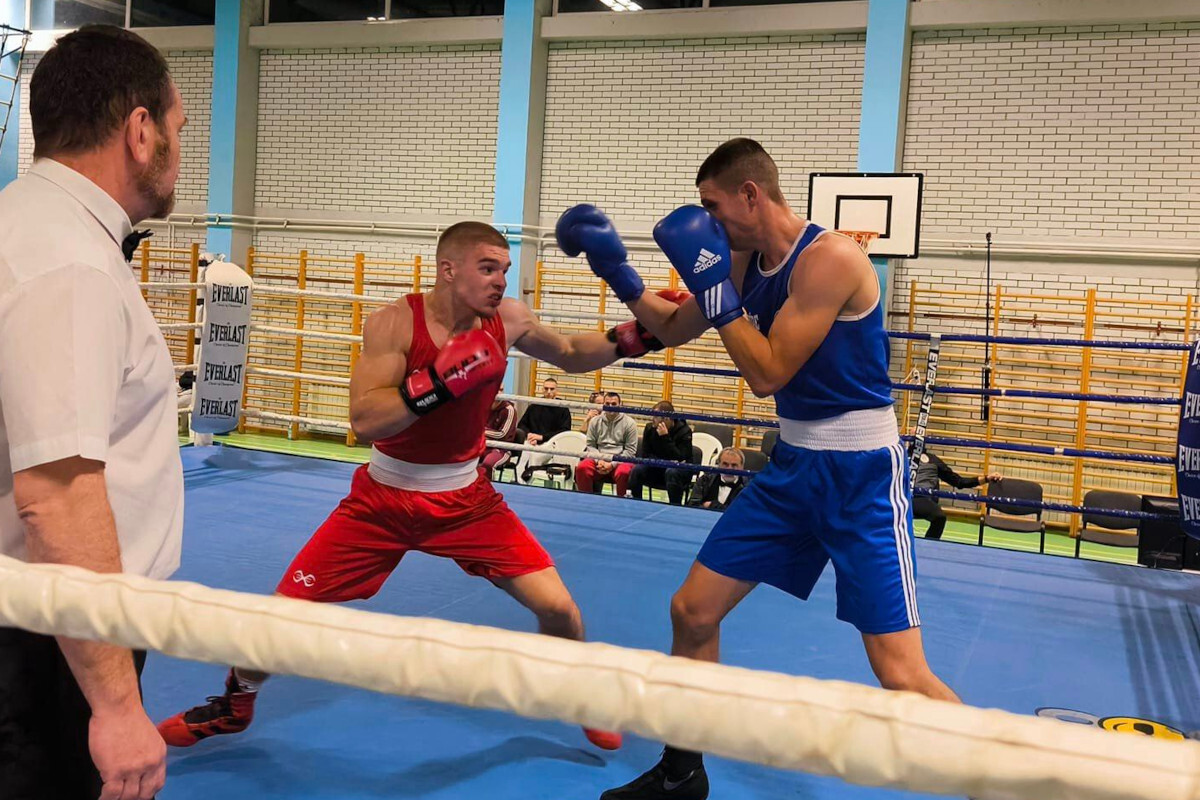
x=740, y=160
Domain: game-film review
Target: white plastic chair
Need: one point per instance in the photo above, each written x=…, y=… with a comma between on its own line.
x=710, y=447
x=559, y=469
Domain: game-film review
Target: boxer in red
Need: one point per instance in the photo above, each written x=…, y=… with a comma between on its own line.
x=431, y=364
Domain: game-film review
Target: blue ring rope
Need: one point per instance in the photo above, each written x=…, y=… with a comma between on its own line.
x=1013, y=501
x=1110, y=344
x=1071, y=452
x=1033, y=393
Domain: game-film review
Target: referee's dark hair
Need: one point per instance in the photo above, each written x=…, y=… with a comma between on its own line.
x=88, y=84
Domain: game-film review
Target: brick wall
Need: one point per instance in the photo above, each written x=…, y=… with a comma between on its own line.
x=192, y=70
x=379, y=131
x=628, y=122
x=1082, y=132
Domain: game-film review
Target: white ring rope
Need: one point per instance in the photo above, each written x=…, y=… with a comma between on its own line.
x=860, y=733
x=271, y=416
x=170, y=285
x=261, y=289
x=332, y=380
x=309, y=334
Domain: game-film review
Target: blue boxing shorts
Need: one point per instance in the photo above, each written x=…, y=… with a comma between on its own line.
x=809, y=507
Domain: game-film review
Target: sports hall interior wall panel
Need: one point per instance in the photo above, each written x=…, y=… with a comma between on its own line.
x=629, y=122
x=29, y=63
x=1085, y=132
x=378, y=131
x=192, y=70
x=1084, y=135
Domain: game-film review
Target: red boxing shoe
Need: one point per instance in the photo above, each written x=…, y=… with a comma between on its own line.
x=227, y=713
x=605, y=740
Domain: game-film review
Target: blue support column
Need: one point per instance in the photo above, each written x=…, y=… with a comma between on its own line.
x=12, y=14
x=234, y=130
x=884, y=92
x=519, y=138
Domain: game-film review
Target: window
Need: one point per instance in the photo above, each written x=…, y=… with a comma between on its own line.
x=420, y=9
x=323, y=10
x=728, y=3
x=571, y=6
x=59, y=14
x=45, y=15
x=155, y=13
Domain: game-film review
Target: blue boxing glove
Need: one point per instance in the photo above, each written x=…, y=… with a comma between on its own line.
x=586, y=229
x=698, y=248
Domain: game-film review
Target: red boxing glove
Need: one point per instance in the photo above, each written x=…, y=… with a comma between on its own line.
x=632, y=339
x=676, y=296
x=467, y=362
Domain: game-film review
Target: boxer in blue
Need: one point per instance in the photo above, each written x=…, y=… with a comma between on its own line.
x=799, y=309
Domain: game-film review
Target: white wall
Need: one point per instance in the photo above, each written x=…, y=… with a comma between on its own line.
x=379, y=132
x=1085, y=132
x=192, y=71
x=629, y=122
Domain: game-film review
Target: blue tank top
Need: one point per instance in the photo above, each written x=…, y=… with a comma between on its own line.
x=848, y=371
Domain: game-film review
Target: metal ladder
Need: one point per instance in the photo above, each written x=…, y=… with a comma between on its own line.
x=12, y=43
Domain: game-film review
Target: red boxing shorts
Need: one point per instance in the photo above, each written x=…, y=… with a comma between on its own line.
x=363, y=540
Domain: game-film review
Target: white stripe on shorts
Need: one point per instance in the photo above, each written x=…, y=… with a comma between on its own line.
x=899, y=503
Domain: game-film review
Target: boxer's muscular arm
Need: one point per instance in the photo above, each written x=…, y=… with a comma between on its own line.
x=675, y=325
x=830, y=278
x=581, y=352
x=377, y=409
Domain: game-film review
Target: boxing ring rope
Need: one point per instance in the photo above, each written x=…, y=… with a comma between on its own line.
x=859, y=733
x=1069, y=452
x=270, y=395
x=916, y=387
x=663, y=464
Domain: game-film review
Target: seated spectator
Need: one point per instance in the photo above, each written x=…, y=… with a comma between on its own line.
x=592, y=413
x=716, y=491
x=612, y=433
x=539, y=424
x=930, y=472
x=665, y=439
x=501, y=426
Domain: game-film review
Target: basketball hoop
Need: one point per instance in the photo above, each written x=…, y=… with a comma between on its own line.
x=864, y=238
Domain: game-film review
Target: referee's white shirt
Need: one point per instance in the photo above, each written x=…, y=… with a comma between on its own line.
x=84, y=369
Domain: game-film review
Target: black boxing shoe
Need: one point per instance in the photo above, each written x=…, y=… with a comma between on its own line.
x=658, y=785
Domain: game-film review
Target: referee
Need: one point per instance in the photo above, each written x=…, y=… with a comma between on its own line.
x=89, y=461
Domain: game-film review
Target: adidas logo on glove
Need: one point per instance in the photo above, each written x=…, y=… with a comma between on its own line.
x=704, y=261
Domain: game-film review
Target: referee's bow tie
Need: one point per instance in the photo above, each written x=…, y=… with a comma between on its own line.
x=130, y=245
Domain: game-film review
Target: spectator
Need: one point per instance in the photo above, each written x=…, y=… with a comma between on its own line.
x=501, y=426
x=715, y=491
x=612, y=433
x=592, y=413
x=930, y=472
x=539, y=424
x=665, y=439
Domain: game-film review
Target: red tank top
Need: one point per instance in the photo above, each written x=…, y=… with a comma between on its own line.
x=452, y=433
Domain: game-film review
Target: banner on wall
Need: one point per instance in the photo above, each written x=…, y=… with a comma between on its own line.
x=1187, y=464
x=221, y=369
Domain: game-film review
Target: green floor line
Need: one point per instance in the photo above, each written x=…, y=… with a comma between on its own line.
x=960, y=531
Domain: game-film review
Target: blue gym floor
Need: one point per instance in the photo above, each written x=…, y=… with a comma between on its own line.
x=1010, y=630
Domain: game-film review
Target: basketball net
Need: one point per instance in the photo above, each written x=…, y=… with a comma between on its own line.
x=864, y=238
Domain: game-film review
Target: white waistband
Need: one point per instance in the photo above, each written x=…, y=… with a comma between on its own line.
x=867, y=429
x=421, y=477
